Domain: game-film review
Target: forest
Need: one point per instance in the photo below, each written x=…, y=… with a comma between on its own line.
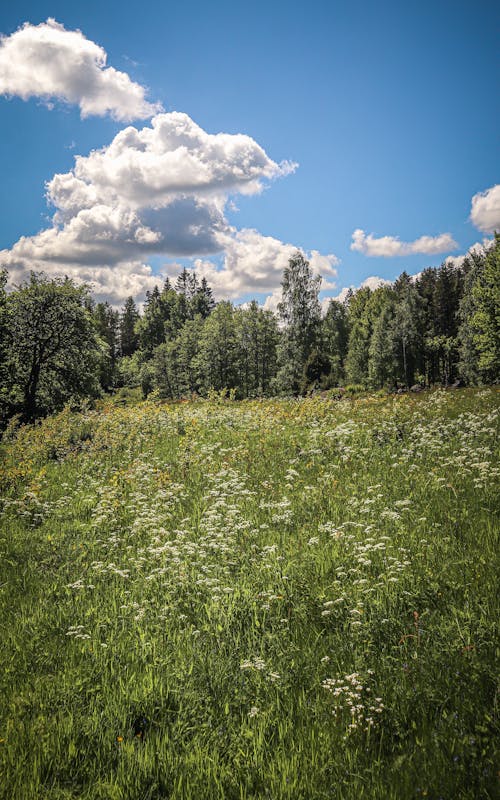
x=59, y=346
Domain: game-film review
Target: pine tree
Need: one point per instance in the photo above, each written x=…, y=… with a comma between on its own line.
x=129, y=338
x=207, y=291
x=427, y=363
x=485, y=321
x=448, y=292
x=356, y=365
x=106, y=320
x=405, y=329
x=468, y=365
x=381, y=364
x=172, y=320
x=335, y=338
x=181, y=311
x=182, y=283
x=165, y=370
x=151, y=327
x=247, y=332
x=193, y=285
x=5, y=393
x=188, y=348
x=257, y=335
x=268, y=341
x=202, y=301
x=217, y=360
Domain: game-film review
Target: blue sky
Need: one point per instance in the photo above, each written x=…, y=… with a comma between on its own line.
x=389, y=109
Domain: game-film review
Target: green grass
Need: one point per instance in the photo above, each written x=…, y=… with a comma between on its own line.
x=301, y=597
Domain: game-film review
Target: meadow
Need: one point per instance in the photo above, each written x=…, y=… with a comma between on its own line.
x=290, y=599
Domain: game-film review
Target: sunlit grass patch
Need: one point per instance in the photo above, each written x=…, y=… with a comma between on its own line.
x=297, y=598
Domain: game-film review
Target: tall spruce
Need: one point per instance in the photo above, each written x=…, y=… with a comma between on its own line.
x=381, y=362
x=485, y=320
x=360, y=331
x=183, y=281
x=202, y=301
x=151, y=327
x=5, y=399
x=188, y=348
x=257, y=336
x=335, y=338
x=106, y=320
x=129, y=338
x=468, y=365
x=405, y=329
x=218, y=356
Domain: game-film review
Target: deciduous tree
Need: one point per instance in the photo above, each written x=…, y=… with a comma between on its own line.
x=53, y=346
x=300, y=315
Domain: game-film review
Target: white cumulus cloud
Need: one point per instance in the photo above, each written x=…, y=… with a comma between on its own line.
x=254, y=263
x=52, y=63
x=159, y=191
x=171, y=158
x=390, y=246
x=485, y=210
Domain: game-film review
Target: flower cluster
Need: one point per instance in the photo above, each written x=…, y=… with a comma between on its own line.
x=353, y=704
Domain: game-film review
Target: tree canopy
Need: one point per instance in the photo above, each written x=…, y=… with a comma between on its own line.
x=53, y=349
x=56, y=344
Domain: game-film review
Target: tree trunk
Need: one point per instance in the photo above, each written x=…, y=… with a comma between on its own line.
x=404, y=363
x=29, y=400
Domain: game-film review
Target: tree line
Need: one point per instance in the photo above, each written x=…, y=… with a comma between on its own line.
x=58, y=345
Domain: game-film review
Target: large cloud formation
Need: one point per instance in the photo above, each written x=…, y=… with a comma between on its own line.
x=390, y=246
x=170, y=158
x=157, y=191
x=160, y=190
x=52, y=63
x=485, y=210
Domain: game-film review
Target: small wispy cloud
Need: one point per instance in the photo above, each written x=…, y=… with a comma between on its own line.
x=391, y=246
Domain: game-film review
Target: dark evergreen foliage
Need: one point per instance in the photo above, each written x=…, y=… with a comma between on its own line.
x=443, y=325
x=129, y=339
